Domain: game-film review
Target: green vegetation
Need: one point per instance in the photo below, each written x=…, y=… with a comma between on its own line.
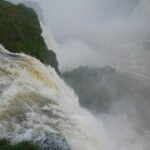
x=25, y=145
x=4, y=142
x=20, y=31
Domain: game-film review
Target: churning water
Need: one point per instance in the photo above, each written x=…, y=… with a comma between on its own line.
x=35, y=104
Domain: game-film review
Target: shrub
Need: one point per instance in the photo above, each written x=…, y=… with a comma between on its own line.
x=24, y=145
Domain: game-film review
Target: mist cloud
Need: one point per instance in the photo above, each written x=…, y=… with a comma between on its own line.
x=100, y=32
x=108, y=32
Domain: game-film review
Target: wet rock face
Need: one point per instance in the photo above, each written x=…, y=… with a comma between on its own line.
x=52, y=59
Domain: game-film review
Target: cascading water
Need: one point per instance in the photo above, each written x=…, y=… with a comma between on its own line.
x=35, y=104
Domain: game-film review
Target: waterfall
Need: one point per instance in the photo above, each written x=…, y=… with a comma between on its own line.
x=36, y=103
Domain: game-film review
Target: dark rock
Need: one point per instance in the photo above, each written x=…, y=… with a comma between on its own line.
x=51, y=59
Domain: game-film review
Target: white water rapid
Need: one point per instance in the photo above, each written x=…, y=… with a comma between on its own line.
x=35, y=102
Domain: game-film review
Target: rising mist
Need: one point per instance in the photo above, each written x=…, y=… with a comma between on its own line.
x=102, y=33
